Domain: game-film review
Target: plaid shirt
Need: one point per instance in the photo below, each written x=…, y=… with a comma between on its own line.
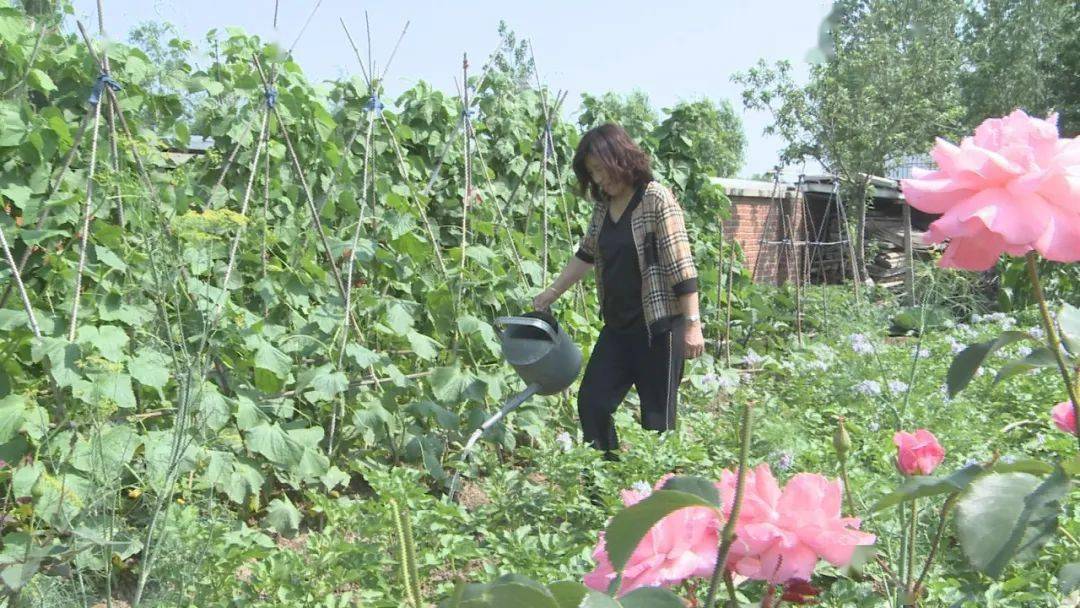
x=663, y=249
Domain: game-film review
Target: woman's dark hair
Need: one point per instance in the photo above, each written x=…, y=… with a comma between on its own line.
x=612, y=147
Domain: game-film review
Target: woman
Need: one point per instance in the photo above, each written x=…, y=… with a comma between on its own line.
x=647, y=285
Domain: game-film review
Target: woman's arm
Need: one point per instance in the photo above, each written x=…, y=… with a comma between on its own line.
x=695, y=339
x=675, y=255
x=575, y=270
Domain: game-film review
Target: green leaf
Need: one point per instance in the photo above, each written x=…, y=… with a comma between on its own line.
x=470, y=325
x=448, y=383
x=274, y=444
x=271, y=368
x=1069, y=578
x=113, y=387
x=698, y=486
x=1038, y=358
x=651, y=597
x=109, y=340
x=326, y=385
x=428, y=410
x=572, y=594
x=19, y=194
x=517, y=595
x=1023, y=465
x=41, y=81
x=423, y=346
x=928, y=485
x=110, y=259
x=13, y=409
x=398, y=318
x=360, y=355
x=334, y=477
x=150, y=368
x=12, y=126
x=61, y=498
x=273, y=360
x=1068, y=319
x=965, y=364
x=213, y=409
x=630, y=525
x=282, y=516
x=1008, y=515
x=105, y=453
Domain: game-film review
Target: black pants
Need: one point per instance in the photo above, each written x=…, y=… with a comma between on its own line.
x=622, y=359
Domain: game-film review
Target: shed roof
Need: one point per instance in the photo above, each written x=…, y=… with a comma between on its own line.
x=750, y=188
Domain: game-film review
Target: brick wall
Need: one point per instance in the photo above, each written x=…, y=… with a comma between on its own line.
x=755, y=218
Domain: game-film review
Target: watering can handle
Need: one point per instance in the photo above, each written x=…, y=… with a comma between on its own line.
x=529, y=321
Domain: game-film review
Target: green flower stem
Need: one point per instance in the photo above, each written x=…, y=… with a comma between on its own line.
x=1051, y=334
x=728, y=533
x=936, y=544
x=909, y=571
x=730, y=584
x=847, y=487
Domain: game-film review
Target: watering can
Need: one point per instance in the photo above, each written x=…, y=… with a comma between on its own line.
x=542, y=354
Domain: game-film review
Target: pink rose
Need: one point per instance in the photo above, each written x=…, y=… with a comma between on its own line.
x=1012, y=188
x=781, y=534
x=680, y=546
x=917, y=454
x=1064, y=416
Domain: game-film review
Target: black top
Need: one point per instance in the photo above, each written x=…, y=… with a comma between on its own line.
x=621, y=270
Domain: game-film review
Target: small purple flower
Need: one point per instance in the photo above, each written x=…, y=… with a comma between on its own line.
x=923, y=353
x=818, y=364
x=970, y=461
x=727, y=382
x=565, y=441
x=1040, y=440
x=869, y=388
x=1008, y=459
x=896, y=386
x=955, y=346
x=641, y=487
x=874, y=426
x=1037, y=332
x=752, y=359
x=1023, y=351
x=860, y=344
x=784, y=461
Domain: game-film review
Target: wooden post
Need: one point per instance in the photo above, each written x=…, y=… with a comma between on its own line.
x=909, y=258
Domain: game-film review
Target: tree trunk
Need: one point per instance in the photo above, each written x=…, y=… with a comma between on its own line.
x=909, y=259
x=860, y=231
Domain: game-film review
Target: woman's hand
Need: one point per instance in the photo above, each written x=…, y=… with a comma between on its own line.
x=544, y=300
x=695, y=341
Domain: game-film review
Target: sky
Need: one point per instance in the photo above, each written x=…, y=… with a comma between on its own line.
x=673, y=50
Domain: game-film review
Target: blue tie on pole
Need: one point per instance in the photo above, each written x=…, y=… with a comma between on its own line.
x=103, y=80
x=374, y=104
x=271, y=97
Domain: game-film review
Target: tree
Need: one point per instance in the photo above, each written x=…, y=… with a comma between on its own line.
x=698, y=141
x=514, y=58
x=1022, y=54
x=889, y=84
x=632, y=111
x=711, y=133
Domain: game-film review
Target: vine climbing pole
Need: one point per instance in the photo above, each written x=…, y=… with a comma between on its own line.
x=550, y=157
x=466, y=197
x=779, y=219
